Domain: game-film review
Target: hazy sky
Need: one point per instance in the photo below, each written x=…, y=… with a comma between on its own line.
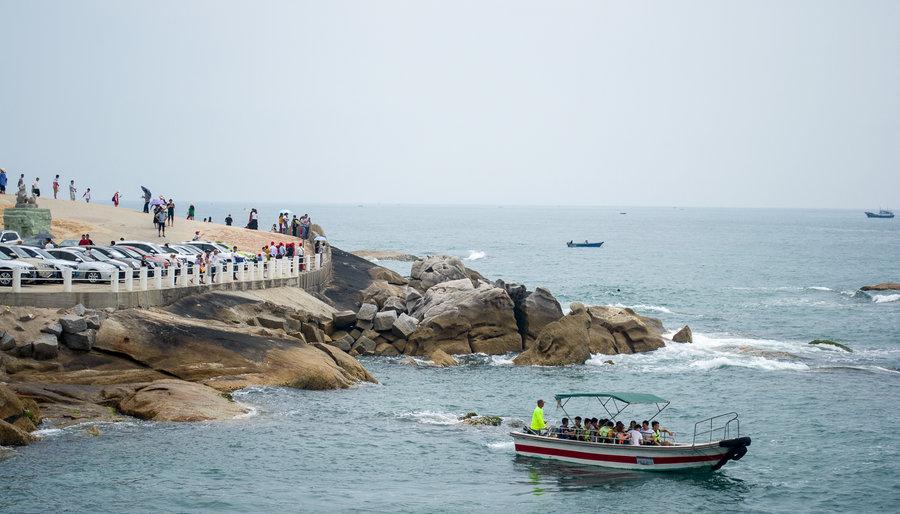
x=710, y=103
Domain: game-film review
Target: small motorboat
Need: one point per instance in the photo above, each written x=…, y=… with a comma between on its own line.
x=572, y=244
x=882, y=213
x=706, y=451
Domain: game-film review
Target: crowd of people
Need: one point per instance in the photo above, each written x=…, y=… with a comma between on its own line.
x=36, y=187
x=297, y=227
x=601, y=430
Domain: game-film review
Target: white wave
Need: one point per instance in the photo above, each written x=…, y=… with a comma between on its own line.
x=885, y=298
x=644, y=307
x=820, y=288
x=749, y=362
x=502, y=360
x=501, y=445
x=252, y=411
x=47, y=432
x=428, y=417
x=474, y=255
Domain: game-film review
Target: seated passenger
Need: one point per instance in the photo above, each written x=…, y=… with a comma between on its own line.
x=605, y=434
x=634, y=434
x=577, y=429
x=647, y=432
x=563, y=431
x=621, y=436
x=658, y=431
x=589, y=431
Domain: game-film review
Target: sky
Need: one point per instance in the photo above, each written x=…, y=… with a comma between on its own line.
x=783, y=103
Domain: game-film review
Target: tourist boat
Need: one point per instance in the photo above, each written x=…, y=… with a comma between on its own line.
x=585, y=244
x=715, y=441
x=882, y=213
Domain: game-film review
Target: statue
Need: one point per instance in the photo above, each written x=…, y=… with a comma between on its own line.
x=23, y=200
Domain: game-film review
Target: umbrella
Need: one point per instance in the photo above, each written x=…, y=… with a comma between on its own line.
x=156, y=201
x=320, y=238
x=146, y=192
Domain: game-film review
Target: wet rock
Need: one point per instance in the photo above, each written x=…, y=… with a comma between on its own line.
x=81, y=341
x=18, y=417
x=884, y=286
x=53, y=328
x=404, y=326
x=440, y=359
x=367, y=312
x=46, y=347
x=476, y=420
x=400, y=345
x=684, y=335
x=344, y=319
x=72, y=324
x=384, y=320
x=177, y=400
x=829, y=342
x=11, y=435
x=408, y=361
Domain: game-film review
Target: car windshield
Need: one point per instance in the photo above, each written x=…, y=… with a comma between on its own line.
x=129, y=252
x=97, y=255
x=85, y=257
x=187, y=249
x=114, y=252
x=4, y=257
x=222, y=247
x=39, y=252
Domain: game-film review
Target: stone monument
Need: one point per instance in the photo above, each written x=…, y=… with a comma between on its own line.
x=26, y=218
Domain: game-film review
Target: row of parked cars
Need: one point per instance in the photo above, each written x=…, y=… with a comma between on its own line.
x=100, y=263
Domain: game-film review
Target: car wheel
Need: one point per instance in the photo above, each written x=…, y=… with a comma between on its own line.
x=93, y=277
x=6, y=278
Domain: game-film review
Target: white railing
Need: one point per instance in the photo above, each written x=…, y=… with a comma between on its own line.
x=314, y=269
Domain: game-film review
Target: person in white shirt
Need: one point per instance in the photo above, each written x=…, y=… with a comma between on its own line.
x=634, y=434
x=646, y=432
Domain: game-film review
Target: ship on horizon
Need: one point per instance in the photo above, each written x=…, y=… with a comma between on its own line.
x=882, y=213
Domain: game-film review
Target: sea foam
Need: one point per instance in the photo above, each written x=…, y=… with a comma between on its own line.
x=885, y=298
x=475, y=255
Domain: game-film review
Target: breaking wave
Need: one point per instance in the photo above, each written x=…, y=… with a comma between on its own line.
x=475, y=255
x=820, y=288
x=644, y=307
x=501, y=445
x=429, y=417
x=885, y=298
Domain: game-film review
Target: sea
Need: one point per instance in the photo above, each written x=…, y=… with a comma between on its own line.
x=755, y=286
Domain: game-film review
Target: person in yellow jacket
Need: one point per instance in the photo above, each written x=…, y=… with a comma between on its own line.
x=537, y=418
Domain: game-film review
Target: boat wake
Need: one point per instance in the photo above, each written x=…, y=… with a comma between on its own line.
x=475, y=255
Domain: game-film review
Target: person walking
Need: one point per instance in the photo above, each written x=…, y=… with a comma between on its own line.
x=72, y=190
x=115, y=199
x=55, y=186
x=87, y=195
x=161, y=222
x=3, y=180
x=190, y=215
x=170, y=212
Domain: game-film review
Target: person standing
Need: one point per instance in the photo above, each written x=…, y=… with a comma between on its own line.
x=115, y=199
x=537, y=418
x=21, y=184
x=36, y=187
x=3, y=180
x=72, y=190
x=190, y=215
x=170, y=211
x=55, y=186
x=146, y=200
x=161, y=222
x=87, y=195
x=229, y=220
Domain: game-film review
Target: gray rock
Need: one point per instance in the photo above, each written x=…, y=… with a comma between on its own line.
x=46, y=347
x=22, y=350
x=394, y=304
x=413, y=300
x=385, y=320
x=26, y=317
x=312, y=333
x=367, y=312
x=365, y=346
x=79, y=310
x=93, y=321
x=435, y=270
x=539, y=309
x=72, y=324
x=52, y=328
x=7, y=342
x=404, y=326
x=345, y=343
x=82, y=341
x=343, y=319
x=364, y=325
x=271, y=322
x=684, y=335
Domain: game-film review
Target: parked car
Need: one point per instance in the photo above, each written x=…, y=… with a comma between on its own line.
x=9, y=236
x=118, y=255
x=88, y=268
x=210, y=246
x=98, y=256
x=149, y=261
x=40, y=253
x=160, y=260
x=8, y=264
x=153, y=249
x=45, y=270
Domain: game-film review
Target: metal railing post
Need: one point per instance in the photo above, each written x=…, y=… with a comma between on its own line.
x=67, y=280
x=142, y=278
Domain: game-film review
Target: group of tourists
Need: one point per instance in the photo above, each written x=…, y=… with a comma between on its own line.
x=280, y=251
x=36, y=187
x=297, y=227
x=601, y=430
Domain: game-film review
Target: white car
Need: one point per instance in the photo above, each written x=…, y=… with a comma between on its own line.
x=8, y=264
x=45, y=270
x=40, y=253
x=87, y=268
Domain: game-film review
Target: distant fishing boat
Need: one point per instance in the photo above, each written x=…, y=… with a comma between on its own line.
x=882, y=213
x=572, y=244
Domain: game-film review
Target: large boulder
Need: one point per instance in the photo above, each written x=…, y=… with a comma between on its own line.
x=7, y=341
x=72, y=324
x=413, y=301
x=177, y=400
x=343, y=319
x=367, y=312
x=404, y=326
x=46, y=347
x=81, y=341
x=884, y=286
x=539, y=309
x=17, y=418
x=592, y=330
x=434, y=270
x=394, y=304
x=684, y=335
x=389, y=276
x=442, y=360
x=459, y=319
x=385, y=320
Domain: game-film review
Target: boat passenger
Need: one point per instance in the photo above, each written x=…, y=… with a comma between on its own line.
x=621, y=435
x=658, y=431
x=647, y=432
x=563, y=431
x=605, y=434
x=634, y=434
x=577, y=429
x=591, y=434
x=537, y=418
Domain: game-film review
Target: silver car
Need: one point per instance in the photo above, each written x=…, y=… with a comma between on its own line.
x=45, y=270
x=88, y=268
x=8, y=264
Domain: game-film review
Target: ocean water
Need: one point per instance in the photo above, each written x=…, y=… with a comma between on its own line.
x=755, y=286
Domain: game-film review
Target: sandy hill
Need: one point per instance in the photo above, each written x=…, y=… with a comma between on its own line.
x=106, y=223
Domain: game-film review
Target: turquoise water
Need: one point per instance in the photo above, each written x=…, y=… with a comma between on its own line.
x=755, y=286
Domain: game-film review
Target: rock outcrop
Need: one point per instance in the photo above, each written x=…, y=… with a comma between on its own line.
x=884, y=286
x=684, y=335
x=18, y=417
x=585, y=331
x=456, y=317
x=177, y=400
x=440, y=359
x=434, y=270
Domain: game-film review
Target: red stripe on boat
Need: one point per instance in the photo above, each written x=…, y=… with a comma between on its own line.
x=613, y=458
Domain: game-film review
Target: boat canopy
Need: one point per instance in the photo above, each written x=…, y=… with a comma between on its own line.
x=610, y=401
